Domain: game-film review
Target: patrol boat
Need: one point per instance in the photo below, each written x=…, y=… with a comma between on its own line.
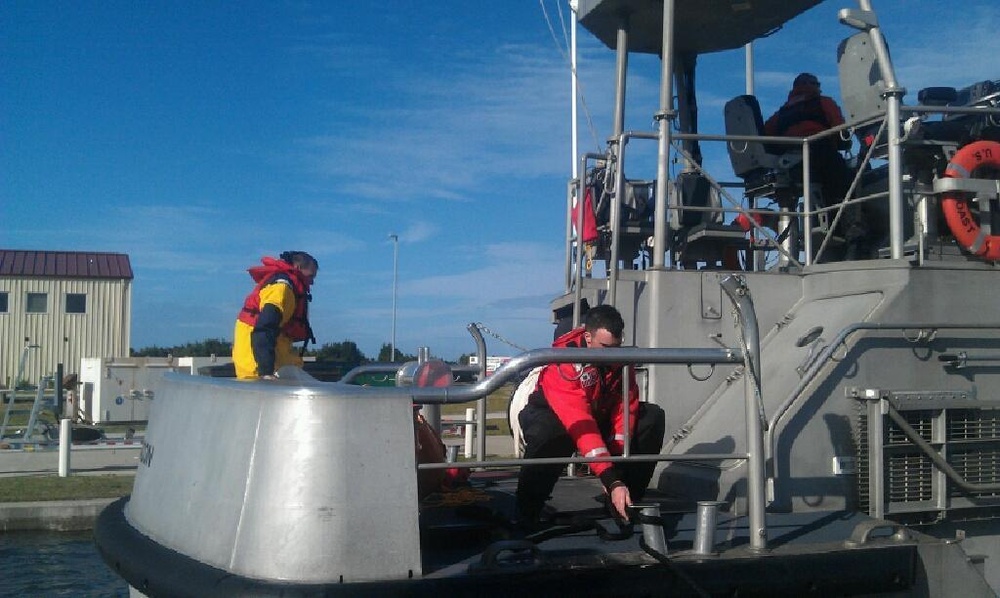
x=833, y=424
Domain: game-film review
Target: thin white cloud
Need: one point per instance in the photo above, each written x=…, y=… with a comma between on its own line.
x=446, y=134
x=508, y=271
x=952, y=54
x=419, y=231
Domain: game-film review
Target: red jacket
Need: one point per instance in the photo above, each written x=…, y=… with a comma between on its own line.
x=587, y=400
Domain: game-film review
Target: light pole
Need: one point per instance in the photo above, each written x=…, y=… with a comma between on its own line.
x=395, y=276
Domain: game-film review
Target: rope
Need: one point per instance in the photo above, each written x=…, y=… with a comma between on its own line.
x=625, y=531
x=455, y=498
x=672, y=566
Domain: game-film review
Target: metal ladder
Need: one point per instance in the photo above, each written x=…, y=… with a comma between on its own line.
x=37, y=405
x=12, y=392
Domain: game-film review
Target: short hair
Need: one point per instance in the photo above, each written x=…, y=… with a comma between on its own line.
x=298, y=259
x=805, y=79
x=607, y=317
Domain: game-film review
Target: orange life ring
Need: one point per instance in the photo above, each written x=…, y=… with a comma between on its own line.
x=956, y=207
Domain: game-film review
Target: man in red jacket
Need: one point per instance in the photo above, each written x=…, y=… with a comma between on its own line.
x=578, y=408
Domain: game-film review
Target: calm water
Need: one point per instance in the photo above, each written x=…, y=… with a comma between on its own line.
x=55, y=564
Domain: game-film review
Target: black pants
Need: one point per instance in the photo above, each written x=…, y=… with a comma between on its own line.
x=828, y=169
x=545, y=436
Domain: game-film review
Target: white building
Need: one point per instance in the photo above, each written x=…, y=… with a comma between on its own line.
x=69, y=304
x=493, y=362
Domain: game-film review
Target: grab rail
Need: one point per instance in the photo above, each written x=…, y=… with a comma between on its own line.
x=827, y=354
x=893, y=194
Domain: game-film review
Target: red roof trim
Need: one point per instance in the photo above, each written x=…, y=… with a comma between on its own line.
x=64, y=264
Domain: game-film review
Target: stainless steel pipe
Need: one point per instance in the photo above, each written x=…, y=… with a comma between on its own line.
x=704, y=533
x=652, y=527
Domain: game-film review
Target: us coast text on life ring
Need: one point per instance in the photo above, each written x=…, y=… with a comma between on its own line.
x=955, y=206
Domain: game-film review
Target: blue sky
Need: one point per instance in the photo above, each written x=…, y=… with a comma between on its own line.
x=199, y=136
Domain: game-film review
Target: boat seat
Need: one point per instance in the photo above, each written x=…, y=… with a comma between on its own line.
x=750, y=159
x=861, y=89
x=764, y=173
x=962, y=128
x=700, y=236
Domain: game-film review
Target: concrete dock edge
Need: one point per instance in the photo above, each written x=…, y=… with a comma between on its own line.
x=57, y=515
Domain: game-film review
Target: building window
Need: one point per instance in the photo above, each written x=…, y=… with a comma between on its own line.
x=3, y=302
x=37, y=303
x=76, y=303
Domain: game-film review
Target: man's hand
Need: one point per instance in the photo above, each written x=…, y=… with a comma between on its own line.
x=621, y=499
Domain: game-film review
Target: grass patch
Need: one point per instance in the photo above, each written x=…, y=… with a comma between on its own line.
x=496, y=402
x=36, y=488
x=497, y=427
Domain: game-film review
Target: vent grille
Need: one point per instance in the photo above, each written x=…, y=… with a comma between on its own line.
x=922, y=421
x=973, y=424
x=862, y=465
x=968, y=439
x=980, y=465
x=910, y=478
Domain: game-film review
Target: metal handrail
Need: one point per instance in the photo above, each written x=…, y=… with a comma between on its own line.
x=372, y=368
x=580, y=460
x=804, y=142
x=536, y=357
x=574, y=271
x=390, y=368
x=615, y=215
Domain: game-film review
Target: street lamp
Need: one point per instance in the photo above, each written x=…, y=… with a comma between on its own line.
x=395, y=276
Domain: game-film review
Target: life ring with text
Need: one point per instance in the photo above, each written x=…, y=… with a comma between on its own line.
x=956, y=210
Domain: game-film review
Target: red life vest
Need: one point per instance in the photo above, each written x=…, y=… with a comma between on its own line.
x=297, y=328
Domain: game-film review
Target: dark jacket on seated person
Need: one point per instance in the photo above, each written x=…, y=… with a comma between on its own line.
x=808, y=112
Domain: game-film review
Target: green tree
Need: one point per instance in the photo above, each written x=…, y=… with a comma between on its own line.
x=346, y=352
x=154, y=351
x=384, y=354
x=205, y=348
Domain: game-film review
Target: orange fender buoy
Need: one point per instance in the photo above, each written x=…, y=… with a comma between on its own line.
x=430, y=449
x=956, y=207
